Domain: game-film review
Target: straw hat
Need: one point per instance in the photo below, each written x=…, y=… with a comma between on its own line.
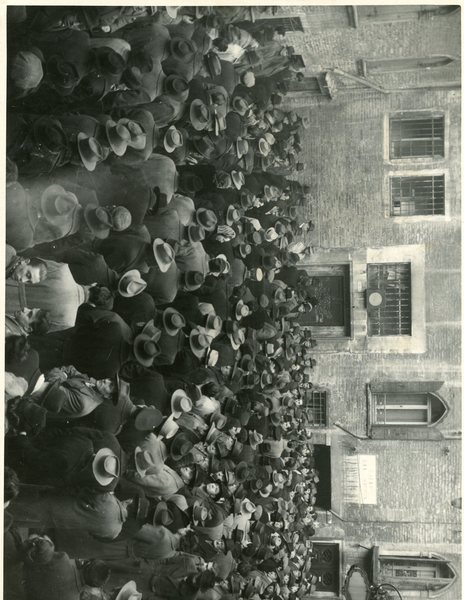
x=105, y=466
x=164, y=254
x=131, y=284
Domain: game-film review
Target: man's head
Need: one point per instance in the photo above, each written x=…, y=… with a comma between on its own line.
x=106, y=387
x=33, y=320
x=30, y=271
x=101, y=297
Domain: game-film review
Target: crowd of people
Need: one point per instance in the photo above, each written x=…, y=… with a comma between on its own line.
x=157, y=441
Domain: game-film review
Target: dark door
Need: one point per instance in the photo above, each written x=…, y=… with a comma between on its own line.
x=326, y=564
x=324, y=488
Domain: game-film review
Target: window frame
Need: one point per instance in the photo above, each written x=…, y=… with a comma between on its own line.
x=416, y=161
x=411, y=116
x=412, y=200
x=307, y=406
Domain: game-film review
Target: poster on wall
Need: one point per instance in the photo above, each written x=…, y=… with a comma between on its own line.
x=360, y=479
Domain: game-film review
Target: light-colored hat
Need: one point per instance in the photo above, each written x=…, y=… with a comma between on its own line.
x=164, y=254
x=169, y=428
x=241, y=310
x=105, y=466
x=264, y=147
x=26, y=70
x=206, y=218
x=146, y=344
x=118, y=137
x=180, y=403
x=238, y=179
x=129, y=592
x=90, y=151
x=173, y=321
x=131, y=284
x=200, y=115
x=232, y=215
x=173, y=139
x=57, y=204
x=199, y=343
x=270, y=139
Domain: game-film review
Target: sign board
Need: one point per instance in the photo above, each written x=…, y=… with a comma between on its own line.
x=360, y=479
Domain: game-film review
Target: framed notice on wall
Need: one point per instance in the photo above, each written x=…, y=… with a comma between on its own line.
x=360, y=479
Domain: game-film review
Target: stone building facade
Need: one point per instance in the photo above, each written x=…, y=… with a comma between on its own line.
x=383, y=162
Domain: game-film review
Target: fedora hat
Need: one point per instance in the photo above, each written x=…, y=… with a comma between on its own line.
x=180, y=403
x=247, y=507
x=147, y=418
x=246, y=200
x=241, y=147
x=57, y=204
x=118, y=137
x=169, y=428
x=241, y=472
x=180, y=447
x=164, y=254
x=146, y=344
x=90, y=151
x=190, y=183
x=199, y=342
x=173, y=321
x=212, y=358
x=129, y=592
x=244, y=249
x=270, y=139
x=206, y=218
x=195, y=233
x=173, y=139
x=131, y=284
x=232, y=215
x=62, y=74
x=263, y=147
x=182, y=49
x=200, y=115
x=246, y=362
x=225, y=263
x=199, y=513
x=162, y=515
x=212, y=323
x=98, y=220
x=176, y=86
x=266, y=379
x=241, y=310
x=191, y=280
x=105, y=466
x=238, y=179
x=240, y=105
x=213, y=434
x=255, y=274
x=213, y=64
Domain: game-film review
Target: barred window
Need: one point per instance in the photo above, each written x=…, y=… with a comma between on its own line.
x=315, y=403
x=421, y=135
x=389, y=299
x=424, y=195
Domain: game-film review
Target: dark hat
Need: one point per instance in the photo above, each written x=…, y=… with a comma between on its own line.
x=162, y=515
x=182, y=49
x=200, y=115
x=235, y=126
x=49, y=132
x=63, y=75
x=190, y=183
x=98, y=220
x=26, y=70
x=213, y=64
x=199, y=342
x=109, y=61
x=147, y=418
x=176, y=86
x=195, y=233
x=241, y=472
x=181, y=446
x=191, y=280
x=206, y=218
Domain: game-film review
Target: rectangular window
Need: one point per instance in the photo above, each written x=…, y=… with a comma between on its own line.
x=389, y=299
x=422, y=195
x=402, y=409
x=315, y=403
x=421, y=135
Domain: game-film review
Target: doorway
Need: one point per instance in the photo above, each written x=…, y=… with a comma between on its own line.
x=324, y=487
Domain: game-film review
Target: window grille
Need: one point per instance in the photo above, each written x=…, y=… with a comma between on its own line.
x=418, y=136
x=316, y=408
x=424, y=195
x=393, y=315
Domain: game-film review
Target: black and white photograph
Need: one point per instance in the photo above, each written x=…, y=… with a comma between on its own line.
x=232, y=302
